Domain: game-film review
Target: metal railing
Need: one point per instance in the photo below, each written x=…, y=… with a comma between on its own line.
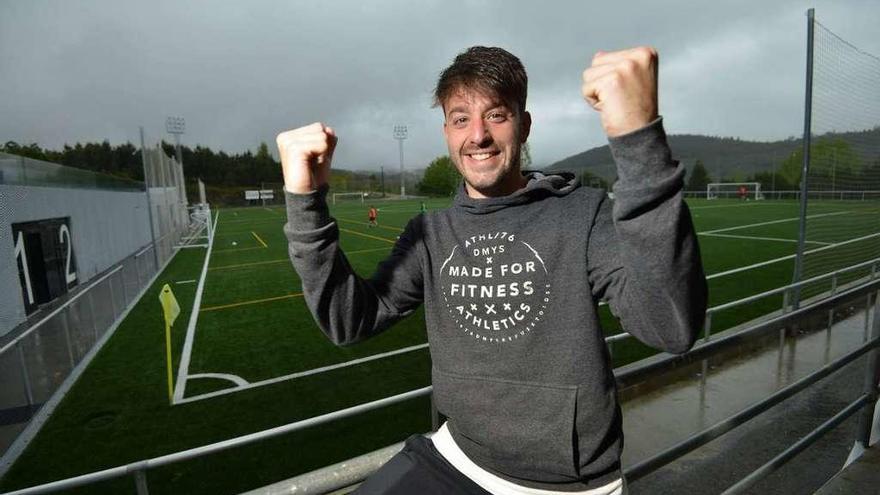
x=657, y=461
x=794, y=194
x=47, y=357
x=785, y=291
x=331, y=481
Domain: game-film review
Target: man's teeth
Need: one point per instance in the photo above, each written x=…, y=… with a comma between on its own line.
x=481, y=156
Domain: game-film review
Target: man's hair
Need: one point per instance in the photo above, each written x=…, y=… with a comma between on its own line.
x=490, y=70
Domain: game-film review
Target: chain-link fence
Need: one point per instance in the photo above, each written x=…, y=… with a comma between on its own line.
x=843, y=176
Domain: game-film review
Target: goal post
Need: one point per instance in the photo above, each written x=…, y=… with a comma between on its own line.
x=735, y=190
x=348, y=196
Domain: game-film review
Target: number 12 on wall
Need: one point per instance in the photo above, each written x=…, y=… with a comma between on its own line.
x=46, y=264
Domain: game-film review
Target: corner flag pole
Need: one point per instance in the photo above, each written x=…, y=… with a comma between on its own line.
x=170, y=310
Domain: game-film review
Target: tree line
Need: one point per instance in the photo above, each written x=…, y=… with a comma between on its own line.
x=124, y=161
x=219, y=169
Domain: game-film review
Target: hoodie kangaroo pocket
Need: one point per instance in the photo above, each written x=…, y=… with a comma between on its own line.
x=522, y=429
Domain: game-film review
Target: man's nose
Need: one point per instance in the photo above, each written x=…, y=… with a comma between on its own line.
x=479, y=133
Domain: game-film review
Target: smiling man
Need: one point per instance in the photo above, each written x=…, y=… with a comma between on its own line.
x=510, y=276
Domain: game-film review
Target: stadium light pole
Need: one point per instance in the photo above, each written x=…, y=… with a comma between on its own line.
x=176, y=126
x=400, y=135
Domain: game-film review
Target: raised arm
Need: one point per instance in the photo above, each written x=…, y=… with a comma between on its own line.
x=347, y=307
x=643, y=255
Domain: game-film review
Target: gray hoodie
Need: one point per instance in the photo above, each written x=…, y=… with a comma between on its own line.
x=510, y=287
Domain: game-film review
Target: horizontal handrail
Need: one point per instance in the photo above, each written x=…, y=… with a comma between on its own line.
x=754, y=297
x=744, y=484
x=707, y=348
x=183, y=455
x=780, y=290
x=691, y=443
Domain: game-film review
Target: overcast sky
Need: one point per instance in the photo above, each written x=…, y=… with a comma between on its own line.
x=240, y=72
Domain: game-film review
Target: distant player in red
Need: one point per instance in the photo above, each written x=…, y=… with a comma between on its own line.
x=743, y=192
x=372, y=214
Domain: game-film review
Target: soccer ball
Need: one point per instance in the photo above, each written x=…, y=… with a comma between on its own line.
x=234, y=243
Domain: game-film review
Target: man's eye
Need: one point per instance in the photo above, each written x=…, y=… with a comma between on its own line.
x=497, y=117
x=459, y=121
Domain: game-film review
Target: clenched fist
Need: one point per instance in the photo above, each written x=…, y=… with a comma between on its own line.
x=305, y=157
x=622, y=86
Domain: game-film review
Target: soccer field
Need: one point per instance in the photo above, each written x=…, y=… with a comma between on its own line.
x=254, y=358
x=253, y=302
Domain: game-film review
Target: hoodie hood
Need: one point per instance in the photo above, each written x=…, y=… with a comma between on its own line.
x=538, y=186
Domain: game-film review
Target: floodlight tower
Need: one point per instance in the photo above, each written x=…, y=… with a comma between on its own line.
x=400, y=135
x=176, y=126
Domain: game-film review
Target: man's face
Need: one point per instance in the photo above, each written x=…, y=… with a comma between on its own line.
x=484, y=137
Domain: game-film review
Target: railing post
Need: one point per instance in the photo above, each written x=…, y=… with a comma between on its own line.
x=785, y=296
x=708, y=326
x=867, y=316
x=137, y=266
x=140, y=482
x=124, y=289
x=94, y=316
x=834, y=284
x=872, y=377
x=828, y=335
x=65, y=322
x=112, y=297
x=24, y=374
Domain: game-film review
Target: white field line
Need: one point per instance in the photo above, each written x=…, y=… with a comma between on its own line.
x=185, y=282
x=237, y=380
x=783, y=258
x=757, y=203
x=772, y=222
x=756, y=238
x=183, y=368
x=301, y=374
x=254, y=221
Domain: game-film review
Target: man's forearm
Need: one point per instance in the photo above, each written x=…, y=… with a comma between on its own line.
x=660, y=291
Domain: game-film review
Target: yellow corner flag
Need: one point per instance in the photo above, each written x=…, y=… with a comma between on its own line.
x=169, y=305
x=171, y=309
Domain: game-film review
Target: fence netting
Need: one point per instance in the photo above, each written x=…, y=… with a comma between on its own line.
x=843, y=183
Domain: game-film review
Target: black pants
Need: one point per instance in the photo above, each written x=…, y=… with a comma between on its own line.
x=419, y=469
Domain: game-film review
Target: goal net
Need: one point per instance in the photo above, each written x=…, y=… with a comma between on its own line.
x=349, y=197
x=734, y=190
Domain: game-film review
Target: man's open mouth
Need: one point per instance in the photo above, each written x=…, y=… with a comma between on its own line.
x=482, y=156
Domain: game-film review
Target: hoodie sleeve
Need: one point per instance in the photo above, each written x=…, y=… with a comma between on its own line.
x=346, y=307
x=643, y=256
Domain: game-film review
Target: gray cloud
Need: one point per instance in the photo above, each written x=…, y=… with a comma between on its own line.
x=240, y=72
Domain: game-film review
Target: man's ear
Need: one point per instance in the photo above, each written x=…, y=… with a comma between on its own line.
x=525, y=126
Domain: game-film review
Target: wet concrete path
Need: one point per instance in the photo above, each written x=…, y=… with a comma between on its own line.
x=656, y=420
